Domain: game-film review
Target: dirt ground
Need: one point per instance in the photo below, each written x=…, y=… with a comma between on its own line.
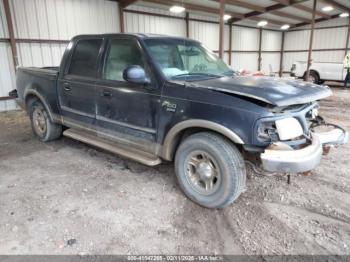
x=65, y=197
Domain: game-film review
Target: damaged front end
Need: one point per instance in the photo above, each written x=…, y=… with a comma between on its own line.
x=297, y=140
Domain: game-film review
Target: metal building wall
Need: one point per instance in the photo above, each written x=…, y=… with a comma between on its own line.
x=205, y=32
x=58, y=20
x=49, y=20
x=245, y=46
x=325, y=39
x=271, y=47
x=141, y=23
x=208, y=34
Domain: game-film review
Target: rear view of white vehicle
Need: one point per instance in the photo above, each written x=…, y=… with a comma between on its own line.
x=319, y=71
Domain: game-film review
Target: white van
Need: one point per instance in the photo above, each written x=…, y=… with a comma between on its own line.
x=319, y=71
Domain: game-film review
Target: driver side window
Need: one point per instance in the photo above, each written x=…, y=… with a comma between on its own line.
x=121, y=54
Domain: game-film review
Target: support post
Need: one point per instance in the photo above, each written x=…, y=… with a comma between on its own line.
x=347, y=39
x=260, y=45
x=121, y=18
x=187, y=24
x=221, y=31
x=282, y=53
x=11, y=33
x=230, y=44
x=311, y=40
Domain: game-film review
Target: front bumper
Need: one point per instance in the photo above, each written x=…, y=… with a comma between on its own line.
x=280, y=158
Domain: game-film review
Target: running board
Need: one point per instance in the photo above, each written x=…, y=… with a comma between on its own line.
x=113, y=147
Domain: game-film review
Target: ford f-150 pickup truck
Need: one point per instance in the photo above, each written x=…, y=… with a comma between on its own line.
x=153, y=98
x=320, y=72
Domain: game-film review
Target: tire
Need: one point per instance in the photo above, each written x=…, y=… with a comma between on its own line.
x=210, y=170
x=41, y=124
x=315, y=79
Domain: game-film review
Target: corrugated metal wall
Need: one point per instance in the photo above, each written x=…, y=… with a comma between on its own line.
x=207, y=33
x=60, y=20
x=49, y=20
x=140, y=23
x=245, y=45
x=324, y=38
x=245, y=39
x=271, y=46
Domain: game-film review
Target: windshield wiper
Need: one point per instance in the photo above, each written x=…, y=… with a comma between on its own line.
x=197, y=74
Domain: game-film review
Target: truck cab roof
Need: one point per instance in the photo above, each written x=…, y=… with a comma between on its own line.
x=136, y=35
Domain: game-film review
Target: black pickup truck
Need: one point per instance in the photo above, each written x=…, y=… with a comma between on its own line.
x=153, y=98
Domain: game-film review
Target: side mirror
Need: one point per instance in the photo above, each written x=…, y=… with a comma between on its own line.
x=135, y=74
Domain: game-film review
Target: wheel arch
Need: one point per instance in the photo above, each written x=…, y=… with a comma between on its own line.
x=33, y=94
x=174, y=135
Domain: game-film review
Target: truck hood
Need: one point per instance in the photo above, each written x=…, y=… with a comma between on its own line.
x=274, y=91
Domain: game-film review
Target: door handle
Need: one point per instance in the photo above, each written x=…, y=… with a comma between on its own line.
x=106, y=94
x=66, y=87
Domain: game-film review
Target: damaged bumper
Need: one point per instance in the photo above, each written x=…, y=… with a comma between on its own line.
x=281, y=158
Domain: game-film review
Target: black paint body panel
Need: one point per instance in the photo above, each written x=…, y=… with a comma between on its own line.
x=144, y=112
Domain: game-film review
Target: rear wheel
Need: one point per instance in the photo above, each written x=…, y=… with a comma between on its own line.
x=313, y=77
x=210, y=170
x=42, y=126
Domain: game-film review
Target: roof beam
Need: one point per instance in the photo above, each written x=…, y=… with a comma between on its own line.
x=298, y=5
x=291, y=16
x=309, y=10
x=270, y=21
x=126, y=3
x=262, y=9
x=281, y=4
x=336, y=5
x=316, y=21
x=245, y=5
x=194, y=7
x=324, y=17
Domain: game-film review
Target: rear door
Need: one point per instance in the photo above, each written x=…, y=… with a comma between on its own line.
x=126, y=108
x=76, y=89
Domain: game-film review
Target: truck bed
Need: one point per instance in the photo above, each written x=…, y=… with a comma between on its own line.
x=41, y=82
x=40, y=70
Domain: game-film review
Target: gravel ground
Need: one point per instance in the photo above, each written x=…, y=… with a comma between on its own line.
x=65, y=197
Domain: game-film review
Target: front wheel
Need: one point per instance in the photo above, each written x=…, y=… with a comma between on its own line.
x=210, y=170
x=42, y=126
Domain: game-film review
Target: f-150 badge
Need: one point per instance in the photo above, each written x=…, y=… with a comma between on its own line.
x=170, y=107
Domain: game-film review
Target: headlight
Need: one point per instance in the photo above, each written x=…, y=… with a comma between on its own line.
x=288, y=128
x=267, y=131
x=293, y=68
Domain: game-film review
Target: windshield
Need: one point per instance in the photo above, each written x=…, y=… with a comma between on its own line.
x=182, y=59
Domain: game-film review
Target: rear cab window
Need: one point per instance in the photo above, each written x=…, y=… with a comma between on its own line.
x=84, y=61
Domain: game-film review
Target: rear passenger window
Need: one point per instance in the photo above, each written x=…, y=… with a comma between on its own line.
x=84, y=59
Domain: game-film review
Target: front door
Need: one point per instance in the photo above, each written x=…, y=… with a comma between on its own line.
x=127, y=109
x=76, y=89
